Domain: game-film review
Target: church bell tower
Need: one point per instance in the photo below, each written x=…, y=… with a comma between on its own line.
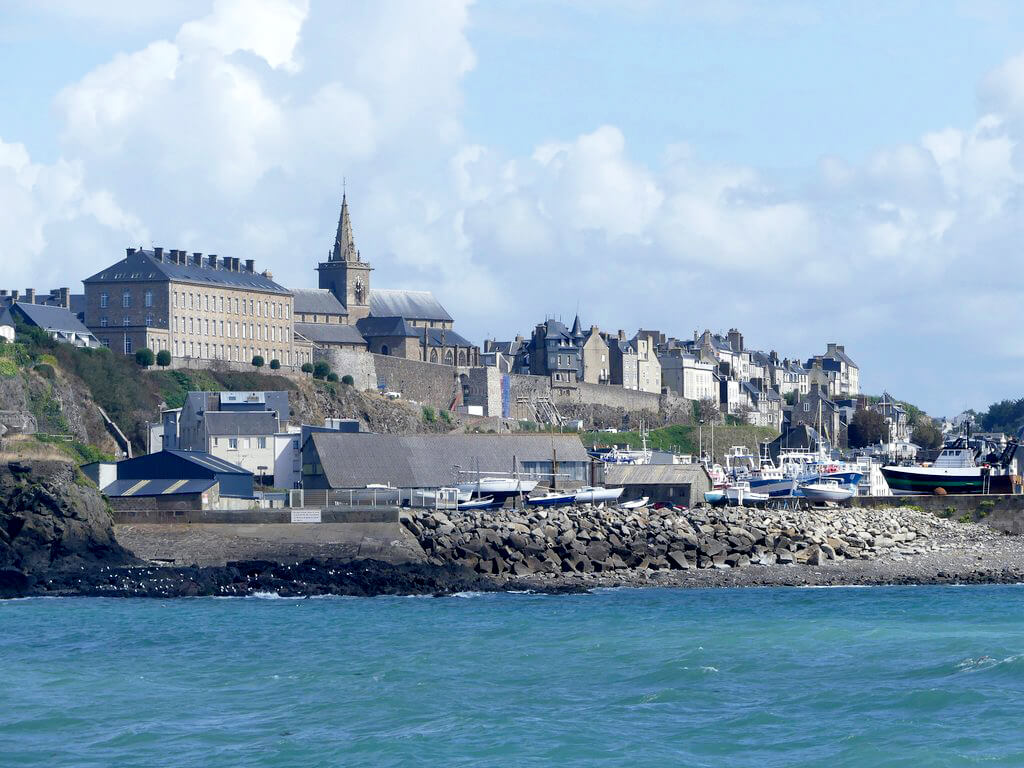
x=344, y=273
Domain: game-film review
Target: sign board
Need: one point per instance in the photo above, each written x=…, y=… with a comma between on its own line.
x=305, y=515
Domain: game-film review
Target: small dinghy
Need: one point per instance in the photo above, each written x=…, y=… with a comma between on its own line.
x=636, y=503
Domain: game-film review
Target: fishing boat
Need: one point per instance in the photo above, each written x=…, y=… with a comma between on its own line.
x=499, y=488
x=954, y=471
x=553, y=499
x=826, y=491
x=739, y=494
x=595, y=494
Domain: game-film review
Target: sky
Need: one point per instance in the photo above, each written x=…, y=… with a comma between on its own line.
x=807, y=172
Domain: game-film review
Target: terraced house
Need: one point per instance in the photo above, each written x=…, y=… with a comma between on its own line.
x=194, y=306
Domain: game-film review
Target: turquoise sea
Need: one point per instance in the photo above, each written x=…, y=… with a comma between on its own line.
x=900, y=676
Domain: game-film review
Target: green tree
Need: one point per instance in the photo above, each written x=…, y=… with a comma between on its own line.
x=332, y=376
x=927, y=435
x=867, y=428
x=258, y=361
x=163, y=358
x=145, y=358
x=275, y=364
x=321, y=369
x=307, y=367
x=790, y=397
x=347, y=380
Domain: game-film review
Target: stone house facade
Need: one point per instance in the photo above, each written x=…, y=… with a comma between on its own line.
x=596, y=366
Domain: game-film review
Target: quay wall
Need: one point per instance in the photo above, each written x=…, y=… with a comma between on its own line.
x=1001, y=512
x=428, y=383
x=150, y=516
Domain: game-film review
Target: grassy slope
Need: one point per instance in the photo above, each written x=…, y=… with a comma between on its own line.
x=683, y=438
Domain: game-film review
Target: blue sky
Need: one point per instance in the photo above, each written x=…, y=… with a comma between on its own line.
x=808, y=172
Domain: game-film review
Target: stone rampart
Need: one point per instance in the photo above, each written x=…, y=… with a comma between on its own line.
x=357, y=363
x=428, y=383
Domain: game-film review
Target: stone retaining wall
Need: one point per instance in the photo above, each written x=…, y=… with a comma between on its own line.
x=250, y=517
x=1001, y=512
x=428, y=383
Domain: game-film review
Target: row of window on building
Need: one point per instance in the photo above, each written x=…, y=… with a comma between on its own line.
x=206, y=302
x=205, y=327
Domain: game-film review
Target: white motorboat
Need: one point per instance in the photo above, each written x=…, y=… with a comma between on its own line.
x=636, y=503
x=739, y=494
x=826, y=490
x=486, y=502
x=444, y=495
x=595, y=494
x=553, y=499
x=500, y=488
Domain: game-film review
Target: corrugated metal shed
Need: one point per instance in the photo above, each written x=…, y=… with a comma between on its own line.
x=412, y=305
x=143, y=266
x=188, y=465
x=317, y=301
x=429, y=461
x=653, y=474
x=161, y=487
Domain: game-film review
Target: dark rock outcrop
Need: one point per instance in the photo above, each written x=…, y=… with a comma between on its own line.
x=50, y=521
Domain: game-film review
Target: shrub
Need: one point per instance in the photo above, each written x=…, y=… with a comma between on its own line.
x=163, y=358
x=347, y=380
x=332, y=376
x=446, y=417
x=45, y=370
x=307, y=367
x=258, y=361
x=965, y=518
x=8, y=368
x=948, y=512
x=48, y=359
x=275, y=364
x=985, y=507
x=429, y=414
x=145, y=357
x=320, y=370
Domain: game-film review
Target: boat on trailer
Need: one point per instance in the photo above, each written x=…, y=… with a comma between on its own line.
x=826, y=491
x=553, y=500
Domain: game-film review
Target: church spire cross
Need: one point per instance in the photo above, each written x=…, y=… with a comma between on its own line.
x=344, y=242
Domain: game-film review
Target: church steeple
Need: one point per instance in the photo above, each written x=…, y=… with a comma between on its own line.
x=344, y=243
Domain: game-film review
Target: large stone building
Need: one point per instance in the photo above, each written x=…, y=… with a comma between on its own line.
x=209, y=308
x=194, y=306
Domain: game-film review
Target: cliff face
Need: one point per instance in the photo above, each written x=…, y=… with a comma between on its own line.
x=49, y=523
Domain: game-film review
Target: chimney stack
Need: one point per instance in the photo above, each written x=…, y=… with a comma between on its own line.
x=3, y=291
x=15, y=294
x=158, y=251
x=250, y=265
x=30, y=295
x=197, y=259
x=212, y=260
x=64, y=297
x=129, y=251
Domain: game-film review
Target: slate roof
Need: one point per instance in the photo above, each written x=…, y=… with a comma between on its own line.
x=143, y=266
x=412, y=305
x=354, y=460
x=209, y=461
x=330, y=333
x=317, y=301
x=50, y=318
x=385, y=326
x=439, y=337
x=232, y=423
x=653, y=474
x=840, y=354
x=6, y=319
x=158, y=487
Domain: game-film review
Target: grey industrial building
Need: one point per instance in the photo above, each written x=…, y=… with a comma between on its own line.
x=345, y=460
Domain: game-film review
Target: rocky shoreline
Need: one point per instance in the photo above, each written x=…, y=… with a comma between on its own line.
x=56, y=538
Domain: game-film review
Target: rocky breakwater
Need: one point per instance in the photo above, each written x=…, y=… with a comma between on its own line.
x=585, y=540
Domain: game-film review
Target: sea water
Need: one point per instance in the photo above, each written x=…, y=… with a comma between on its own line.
x=900, y=676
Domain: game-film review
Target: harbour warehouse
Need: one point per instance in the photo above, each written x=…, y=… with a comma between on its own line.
x=339, y=460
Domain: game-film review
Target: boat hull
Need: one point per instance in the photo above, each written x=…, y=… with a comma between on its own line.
x=598, y=495
x=774, y=487
x=926, y=481
x=560, y=499
x=819, y=494
x=714, y=497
